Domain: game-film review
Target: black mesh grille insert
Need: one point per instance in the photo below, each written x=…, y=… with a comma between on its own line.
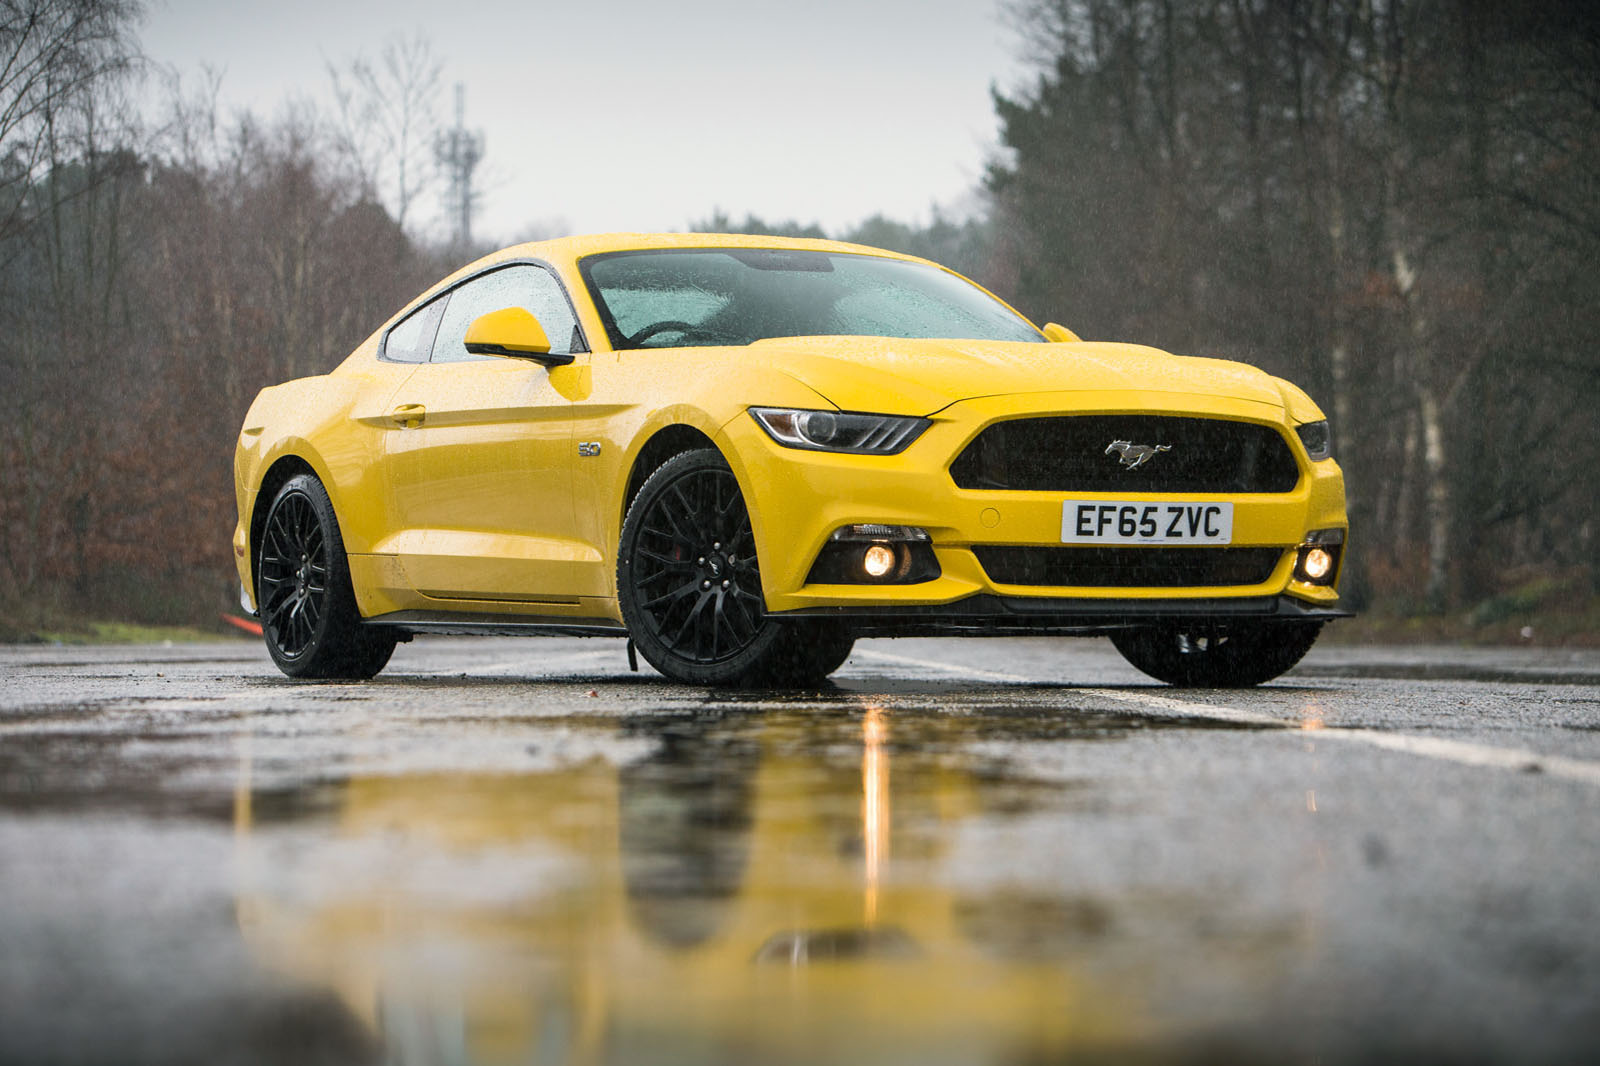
x=1127, y=567
x=1070, y=454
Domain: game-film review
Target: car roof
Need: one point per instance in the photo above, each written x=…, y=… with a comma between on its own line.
x=570, y=249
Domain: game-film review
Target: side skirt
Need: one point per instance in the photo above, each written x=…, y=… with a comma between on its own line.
x=498, y=625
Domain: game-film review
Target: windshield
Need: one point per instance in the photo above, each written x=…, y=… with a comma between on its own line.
x=674, y=298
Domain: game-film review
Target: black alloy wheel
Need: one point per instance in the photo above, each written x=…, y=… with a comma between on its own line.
x=294, y=575
x=690, y=584
x=307, y=606
x=1238, y=655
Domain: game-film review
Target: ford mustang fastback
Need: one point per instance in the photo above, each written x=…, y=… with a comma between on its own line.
x=743, y=453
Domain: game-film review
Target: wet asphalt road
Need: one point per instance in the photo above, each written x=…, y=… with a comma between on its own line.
x=961, y=851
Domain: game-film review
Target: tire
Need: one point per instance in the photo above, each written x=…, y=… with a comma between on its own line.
x=1209, y=656
x=689, y=585
x=826, y=650
x=807, y=655
x=303, y=594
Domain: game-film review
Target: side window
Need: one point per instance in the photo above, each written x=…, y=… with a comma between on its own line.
x=526, y=286
x=412, y=337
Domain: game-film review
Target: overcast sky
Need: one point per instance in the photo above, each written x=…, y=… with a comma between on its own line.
x=647, y=114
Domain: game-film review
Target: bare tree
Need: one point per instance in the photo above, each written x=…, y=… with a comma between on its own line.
x=53, y=53
x=63, y=175
x=386, y=116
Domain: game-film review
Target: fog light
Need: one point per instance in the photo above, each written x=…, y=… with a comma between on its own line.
x=869, y=554
x=878, y=560
x=1318, y=558
x=1318, y=564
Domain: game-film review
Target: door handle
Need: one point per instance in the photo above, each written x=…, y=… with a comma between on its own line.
x=409, y=415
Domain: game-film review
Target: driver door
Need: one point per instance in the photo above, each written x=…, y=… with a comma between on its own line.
x=481, y=474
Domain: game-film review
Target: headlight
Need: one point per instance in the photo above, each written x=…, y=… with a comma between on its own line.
x=840, y=431
x=1316, y=438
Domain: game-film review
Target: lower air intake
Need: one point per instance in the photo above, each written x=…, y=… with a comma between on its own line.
x=1128, y=567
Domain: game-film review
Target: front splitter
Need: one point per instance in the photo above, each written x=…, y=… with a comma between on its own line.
x=988, y=615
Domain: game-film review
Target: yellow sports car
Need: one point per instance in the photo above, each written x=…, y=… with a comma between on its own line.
x=742, y=453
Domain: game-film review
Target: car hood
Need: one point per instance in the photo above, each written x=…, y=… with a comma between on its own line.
x=920, y=377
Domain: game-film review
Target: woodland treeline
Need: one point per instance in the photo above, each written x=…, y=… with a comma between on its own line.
x=1395, y=203
x=1392, y=202
x=156, y=271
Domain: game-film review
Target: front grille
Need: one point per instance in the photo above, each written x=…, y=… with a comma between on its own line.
x=1095, y=567
x=1069, y=454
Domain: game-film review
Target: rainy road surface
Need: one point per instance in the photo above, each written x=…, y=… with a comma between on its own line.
x=1011, y=852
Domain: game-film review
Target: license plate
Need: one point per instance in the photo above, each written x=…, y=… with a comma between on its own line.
x=1129, y=522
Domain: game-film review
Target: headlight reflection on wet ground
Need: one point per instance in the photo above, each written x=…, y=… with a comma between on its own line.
x=875, y=813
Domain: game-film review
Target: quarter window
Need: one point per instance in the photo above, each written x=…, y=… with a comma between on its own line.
x=412, y=339
x=531, y=287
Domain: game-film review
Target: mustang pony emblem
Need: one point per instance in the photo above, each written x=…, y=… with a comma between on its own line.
x=1135, y=455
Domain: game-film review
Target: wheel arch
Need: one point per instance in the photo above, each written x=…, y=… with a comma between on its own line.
x=663, y=444
x=277, y=475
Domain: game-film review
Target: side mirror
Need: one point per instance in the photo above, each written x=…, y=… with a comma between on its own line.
x=1056, y=333
x=513, y=332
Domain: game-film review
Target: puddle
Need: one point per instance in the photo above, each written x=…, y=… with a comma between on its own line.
x=512, y=871
x=749, y=871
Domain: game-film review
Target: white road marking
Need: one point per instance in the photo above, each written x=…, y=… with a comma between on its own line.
x=1185, y=709
x=567, y=662
x=928, y=664
x=1457, y=751
x=531, y=663
x=1473, y=754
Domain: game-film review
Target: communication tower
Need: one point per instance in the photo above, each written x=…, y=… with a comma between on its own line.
x=458, y=152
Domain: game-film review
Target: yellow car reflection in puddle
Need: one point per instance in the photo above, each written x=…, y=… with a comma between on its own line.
x=743, y=894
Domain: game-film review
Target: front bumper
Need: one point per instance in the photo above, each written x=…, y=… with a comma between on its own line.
x=798, y=498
